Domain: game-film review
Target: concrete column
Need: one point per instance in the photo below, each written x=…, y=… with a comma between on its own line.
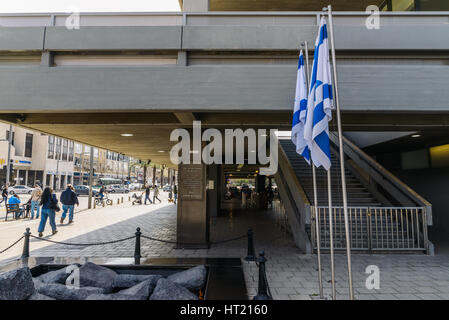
x=213, y=197
x=26, y=178
x=195, y=5
x=193, y=219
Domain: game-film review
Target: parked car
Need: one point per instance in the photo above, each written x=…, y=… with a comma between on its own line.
x=117, y=189
x=135, y=186
x=20, y=189
x=167, y=188
x=81, y=190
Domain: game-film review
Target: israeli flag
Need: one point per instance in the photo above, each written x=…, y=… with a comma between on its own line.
x=299, y=111
x=320, y=103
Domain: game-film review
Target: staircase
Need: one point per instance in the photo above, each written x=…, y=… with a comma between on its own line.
x=374, y=224
x=358, y=195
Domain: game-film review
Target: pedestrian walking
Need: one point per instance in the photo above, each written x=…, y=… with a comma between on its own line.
x=68, y=200
x=35, y=200
x=147, y=194
x=156, y=194
x=175, y=193
x=49, y=204
x=5, y=194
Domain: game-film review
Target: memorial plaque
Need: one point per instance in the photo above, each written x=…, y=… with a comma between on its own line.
x=191, y=182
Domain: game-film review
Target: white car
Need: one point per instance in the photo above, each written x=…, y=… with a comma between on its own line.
x=20, y=189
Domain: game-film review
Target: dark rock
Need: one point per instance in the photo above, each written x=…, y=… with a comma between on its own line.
x=143, y=289
x=38, y=296
x=57, y=276
x=114, y=296
x=92, y=275
x=62, y=292
x=129, y=280
x=16, y=284
x=192, y=279
x=167, y=290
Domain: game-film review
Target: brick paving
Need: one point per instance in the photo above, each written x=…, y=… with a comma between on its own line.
x=291, y=274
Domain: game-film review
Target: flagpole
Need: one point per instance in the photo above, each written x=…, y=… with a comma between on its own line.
x=331, y=232
x=340, y=141
x=315, y=196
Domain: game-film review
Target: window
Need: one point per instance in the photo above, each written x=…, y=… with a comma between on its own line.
x=51, y=147
x=65, y=149
x=95, y=153
x=29, y=145
x=86, y=149
x=71, y=145
x=58, y=149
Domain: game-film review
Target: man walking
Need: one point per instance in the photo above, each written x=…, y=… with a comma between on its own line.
x=35, y=200
x=5, y=194
x=156, y=194
x=68, y=200
x=147, y=194
x=175, y=193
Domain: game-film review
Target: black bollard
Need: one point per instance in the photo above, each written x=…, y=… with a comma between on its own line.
x=137, y=255
x=251, y=255
x=26, y=244
x=262, y=291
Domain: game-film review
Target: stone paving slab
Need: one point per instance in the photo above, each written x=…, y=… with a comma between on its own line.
x=291, y=274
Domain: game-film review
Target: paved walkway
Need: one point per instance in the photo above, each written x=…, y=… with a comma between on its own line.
x=291, y=275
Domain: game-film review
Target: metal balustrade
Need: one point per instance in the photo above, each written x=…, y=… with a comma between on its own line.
x=387, y=229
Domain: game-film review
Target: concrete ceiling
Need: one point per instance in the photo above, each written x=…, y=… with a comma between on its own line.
x=290, y=5
x=151, y=130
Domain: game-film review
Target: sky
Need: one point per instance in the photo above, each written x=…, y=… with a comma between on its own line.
x=29, y=6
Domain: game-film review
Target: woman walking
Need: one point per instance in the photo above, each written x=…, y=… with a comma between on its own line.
x=49, y=204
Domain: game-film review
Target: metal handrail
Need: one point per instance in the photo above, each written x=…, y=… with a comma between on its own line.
x=386, y=175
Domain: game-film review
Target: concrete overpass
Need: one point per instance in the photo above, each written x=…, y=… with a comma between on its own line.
x=145, y=73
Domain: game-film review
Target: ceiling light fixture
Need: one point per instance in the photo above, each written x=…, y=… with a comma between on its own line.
x=416, y=135
x=161, y=151
x=126, y=134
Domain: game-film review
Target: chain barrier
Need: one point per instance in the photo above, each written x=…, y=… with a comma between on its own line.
x=83, y=244
x=4, y=250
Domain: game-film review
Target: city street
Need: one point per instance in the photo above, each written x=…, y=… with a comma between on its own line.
x=83, y=202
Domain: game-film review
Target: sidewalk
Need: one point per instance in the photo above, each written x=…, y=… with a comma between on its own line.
x=291, y=275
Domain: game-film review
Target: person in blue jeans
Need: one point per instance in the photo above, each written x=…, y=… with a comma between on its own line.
x=35, y=200
x=68, y=200
x=5, y=194
x=49, y=203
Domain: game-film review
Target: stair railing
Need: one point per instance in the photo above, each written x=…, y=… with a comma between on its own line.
x=401, y=192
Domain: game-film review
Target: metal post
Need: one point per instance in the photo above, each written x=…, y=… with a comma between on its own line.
x=251, y=255
x=91, y=173
x=8, y=164
x=315, y=196
x=137, y=255
x=26, y=244
x=342, y=163
x=331, y=232
x=262, y=291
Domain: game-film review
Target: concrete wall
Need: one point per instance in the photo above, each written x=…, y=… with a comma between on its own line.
x=433, y=185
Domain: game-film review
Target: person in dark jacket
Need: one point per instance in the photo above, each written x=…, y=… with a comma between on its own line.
x=5, y=194
x=49, y=203
x=147, y=194
x=68, y=200
x=175, y=192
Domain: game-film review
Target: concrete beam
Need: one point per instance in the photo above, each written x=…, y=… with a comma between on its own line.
x=363, y=87
x=22, y=38
x=114, y=38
